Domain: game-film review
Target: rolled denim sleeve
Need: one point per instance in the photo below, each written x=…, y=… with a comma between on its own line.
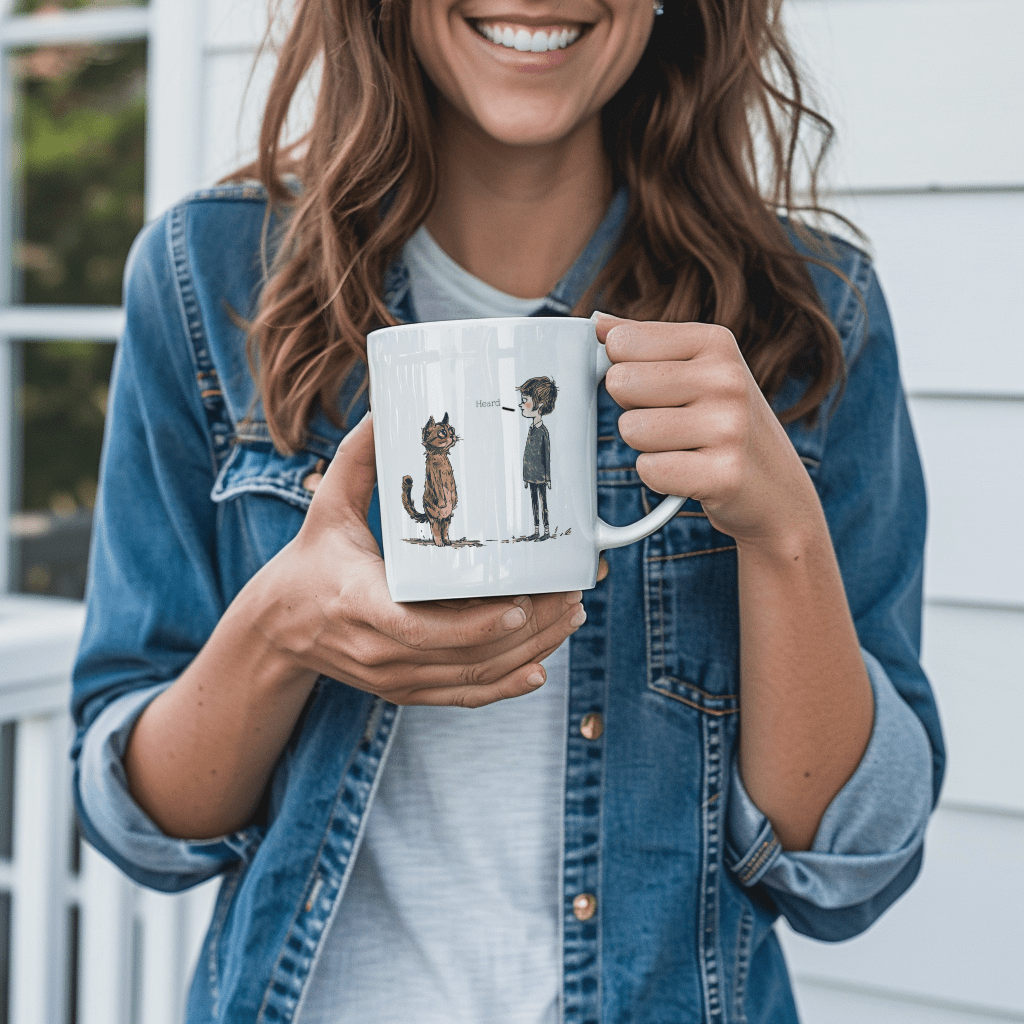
x=870, y=832
x=119, y=821
x=154, y=594
x=869, y=844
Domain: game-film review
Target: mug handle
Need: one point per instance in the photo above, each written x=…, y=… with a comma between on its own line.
x=606, y=536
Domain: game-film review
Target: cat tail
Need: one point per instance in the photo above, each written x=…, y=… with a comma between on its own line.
x=418, y=517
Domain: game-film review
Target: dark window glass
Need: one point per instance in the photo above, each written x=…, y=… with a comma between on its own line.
x=61, y=401
x=71, y=964
x=8, y=737
x=5, y=957
x=79, y=176
x=75, y=847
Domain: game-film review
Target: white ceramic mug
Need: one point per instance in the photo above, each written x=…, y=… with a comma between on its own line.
x=486, y=437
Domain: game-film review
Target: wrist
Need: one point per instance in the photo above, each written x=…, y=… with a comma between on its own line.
x=798, y=541
x=268, y=636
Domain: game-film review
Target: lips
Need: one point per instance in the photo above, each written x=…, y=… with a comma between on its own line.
x=526, y=39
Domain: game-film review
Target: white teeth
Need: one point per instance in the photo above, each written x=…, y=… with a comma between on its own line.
x=526, y=41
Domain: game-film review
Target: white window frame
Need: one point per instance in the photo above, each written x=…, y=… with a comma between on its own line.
x=119, y=980
x=174, y=32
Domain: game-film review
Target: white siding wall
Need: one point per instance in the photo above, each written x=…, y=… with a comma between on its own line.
x=928, y=96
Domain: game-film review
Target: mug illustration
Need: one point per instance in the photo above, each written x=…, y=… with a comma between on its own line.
x=537, y=400
x=440, y=496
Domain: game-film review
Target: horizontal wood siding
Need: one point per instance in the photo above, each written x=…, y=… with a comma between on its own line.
x=928, y=97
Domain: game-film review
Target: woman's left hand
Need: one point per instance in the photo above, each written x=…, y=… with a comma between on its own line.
x=704, y=429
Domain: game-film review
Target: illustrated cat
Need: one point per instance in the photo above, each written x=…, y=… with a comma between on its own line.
x=439, y=494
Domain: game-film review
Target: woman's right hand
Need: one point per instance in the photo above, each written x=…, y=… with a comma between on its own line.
x=323, y=603
x=200, y=755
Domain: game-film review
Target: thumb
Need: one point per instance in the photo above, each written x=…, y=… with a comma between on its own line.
x=347, y=486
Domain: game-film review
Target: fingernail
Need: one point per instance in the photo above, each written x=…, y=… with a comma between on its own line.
x=574, y=598
x=536, y=678
x=597, y=315
x=514, y=618
x=578, y=619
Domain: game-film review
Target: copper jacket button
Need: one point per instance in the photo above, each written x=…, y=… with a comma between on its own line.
x=592, y=726
x=584, y=906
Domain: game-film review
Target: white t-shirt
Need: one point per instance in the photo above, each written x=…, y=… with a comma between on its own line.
x=452, y=912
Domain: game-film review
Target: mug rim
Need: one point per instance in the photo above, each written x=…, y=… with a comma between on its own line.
x=480, y=320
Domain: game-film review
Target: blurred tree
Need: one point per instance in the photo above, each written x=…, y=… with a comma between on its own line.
x=80, y=133
x=82, y=169
x=63, y=400
x=44, y=6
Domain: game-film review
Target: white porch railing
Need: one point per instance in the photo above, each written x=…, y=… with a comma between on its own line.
x=86, y=945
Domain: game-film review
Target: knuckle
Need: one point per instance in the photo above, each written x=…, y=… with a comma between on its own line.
x=363, y=650
x=410, y=631
x=731, y=470
x=736, y=380
x=721, y=337
x=473, y=675
x=733, y=427
x=473, y=697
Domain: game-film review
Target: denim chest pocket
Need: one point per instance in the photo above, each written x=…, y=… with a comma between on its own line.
x=691, y=604
x=264, y=494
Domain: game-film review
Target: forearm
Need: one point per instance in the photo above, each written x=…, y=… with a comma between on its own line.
x=201, y=754
x=807, y=705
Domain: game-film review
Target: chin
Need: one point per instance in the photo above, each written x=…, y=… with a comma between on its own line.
x=524, y=132
x=521, y=122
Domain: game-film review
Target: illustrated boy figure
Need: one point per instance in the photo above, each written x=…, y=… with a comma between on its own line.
x=537, y=399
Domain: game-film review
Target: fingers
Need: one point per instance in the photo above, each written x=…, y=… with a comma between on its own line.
x=430, y=626
x=686, y=429
x=635, y=341
x=517, y=683
x=436, y=631
x=670, y=384
x=490, y=665
x=699, y=474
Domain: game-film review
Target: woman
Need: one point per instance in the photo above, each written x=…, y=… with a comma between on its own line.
x=446, y=812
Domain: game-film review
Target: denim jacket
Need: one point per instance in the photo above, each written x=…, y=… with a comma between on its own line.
x=686, y=874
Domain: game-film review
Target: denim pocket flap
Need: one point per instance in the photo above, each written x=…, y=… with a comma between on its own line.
x=261, y=469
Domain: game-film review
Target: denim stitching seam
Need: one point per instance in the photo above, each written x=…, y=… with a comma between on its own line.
x=767, y=849
x=207, y=380
x=743, y=941
x=692, y=554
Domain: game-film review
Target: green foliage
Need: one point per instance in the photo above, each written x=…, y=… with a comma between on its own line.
x=82, y=157
x=31, y=6
x=82, y=176
x=64, y=397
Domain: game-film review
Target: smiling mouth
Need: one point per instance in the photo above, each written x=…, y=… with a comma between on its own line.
x=526, y=40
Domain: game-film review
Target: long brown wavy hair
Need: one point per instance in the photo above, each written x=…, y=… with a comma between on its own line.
x=716, y=96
